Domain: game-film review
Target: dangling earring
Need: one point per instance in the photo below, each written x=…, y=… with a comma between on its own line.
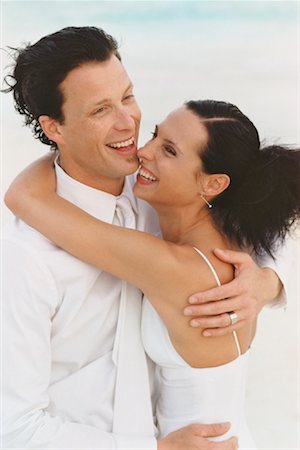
x=205, y=201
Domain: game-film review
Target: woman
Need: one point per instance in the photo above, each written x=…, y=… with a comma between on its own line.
x=212, y=186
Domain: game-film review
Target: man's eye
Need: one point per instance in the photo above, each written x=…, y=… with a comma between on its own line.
x=170, y=150
x=101, y=110
x=128, y=97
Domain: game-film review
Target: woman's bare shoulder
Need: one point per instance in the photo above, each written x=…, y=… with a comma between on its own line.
x=200, y=264
x=194, y=275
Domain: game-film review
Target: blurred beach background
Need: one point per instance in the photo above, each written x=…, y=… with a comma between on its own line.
x=245, y=52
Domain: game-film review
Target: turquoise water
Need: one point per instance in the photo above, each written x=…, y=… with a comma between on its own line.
x=22, y=16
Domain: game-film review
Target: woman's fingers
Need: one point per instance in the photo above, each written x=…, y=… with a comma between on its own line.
x=217, y=293
x=216, y=308
x=220, y=321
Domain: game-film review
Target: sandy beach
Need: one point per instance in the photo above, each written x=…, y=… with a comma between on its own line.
x=243, y=52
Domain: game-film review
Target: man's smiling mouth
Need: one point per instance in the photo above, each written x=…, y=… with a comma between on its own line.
x=122, y=144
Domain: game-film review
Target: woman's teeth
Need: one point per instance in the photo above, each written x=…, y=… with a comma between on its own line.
x=146, y=175
x=122, y=144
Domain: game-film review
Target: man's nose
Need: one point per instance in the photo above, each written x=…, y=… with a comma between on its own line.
x=124, y=120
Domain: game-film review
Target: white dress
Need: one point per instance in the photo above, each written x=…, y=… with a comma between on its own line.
x=189, y=395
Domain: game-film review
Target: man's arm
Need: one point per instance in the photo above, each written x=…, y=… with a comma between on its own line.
x=286, y=267
x=252, y=288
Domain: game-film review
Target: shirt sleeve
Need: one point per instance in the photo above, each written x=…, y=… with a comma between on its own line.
x=30, y=300
x=285, y=266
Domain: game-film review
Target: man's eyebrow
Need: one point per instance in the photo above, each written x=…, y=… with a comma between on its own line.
x=130, y=86
x=106, y=100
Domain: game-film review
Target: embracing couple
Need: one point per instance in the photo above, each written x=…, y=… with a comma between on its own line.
x=95, y=277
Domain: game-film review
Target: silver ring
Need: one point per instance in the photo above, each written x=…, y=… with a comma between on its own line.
x=233, y=317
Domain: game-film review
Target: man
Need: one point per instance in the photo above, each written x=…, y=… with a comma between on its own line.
x=75, y=371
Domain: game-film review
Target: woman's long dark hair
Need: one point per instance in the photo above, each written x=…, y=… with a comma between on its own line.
x=262, y=201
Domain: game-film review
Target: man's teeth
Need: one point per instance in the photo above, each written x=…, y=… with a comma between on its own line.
x=122, y=144
x=147, y=175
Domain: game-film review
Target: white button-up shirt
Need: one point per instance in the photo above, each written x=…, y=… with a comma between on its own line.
x=60, y=321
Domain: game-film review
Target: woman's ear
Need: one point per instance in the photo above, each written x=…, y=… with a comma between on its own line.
x=214, y=184
x=51, y=128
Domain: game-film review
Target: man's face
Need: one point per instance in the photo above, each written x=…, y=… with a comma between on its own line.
x=101, y=121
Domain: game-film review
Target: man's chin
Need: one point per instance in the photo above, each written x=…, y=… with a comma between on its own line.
x=133, y=164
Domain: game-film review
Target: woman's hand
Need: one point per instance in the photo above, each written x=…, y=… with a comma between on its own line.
x=37, y=181
x=251, y=289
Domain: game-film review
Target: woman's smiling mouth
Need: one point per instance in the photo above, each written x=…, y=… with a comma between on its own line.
x=144, y=176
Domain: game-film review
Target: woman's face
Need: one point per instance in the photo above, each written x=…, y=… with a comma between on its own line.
x=171, y=169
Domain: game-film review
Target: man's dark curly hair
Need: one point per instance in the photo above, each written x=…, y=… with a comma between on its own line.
x=39, y=69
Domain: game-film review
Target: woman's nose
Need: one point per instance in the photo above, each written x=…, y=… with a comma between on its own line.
x=146, y=151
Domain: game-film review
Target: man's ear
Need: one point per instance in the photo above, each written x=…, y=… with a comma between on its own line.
x=51, y=128
x=214, y=184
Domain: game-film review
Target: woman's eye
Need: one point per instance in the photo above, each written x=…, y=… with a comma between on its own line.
x=170, y=150
x=154, y=135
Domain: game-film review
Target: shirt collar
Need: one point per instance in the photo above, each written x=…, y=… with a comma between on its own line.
x=99, y=204
x=127, y=192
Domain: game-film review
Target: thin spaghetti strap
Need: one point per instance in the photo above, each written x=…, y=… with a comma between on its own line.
x=236, y=340
x=210, y=265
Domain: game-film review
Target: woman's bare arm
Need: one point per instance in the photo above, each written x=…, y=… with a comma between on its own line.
x=167, y=273
x=135, y=256
x=138, y=257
